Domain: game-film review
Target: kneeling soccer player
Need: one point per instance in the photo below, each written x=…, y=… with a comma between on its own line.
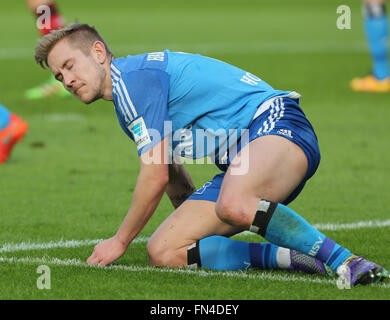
x=169, y=102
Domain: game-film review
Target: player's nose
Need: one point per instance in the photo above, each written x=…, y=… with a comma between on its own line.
x=69, y=80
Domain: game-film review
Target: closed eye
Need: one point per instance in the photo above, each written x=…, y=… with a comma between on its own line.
x=58, y=77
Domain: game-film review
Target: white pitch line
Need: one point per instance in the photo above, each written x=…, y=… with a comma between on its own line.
x=233, y=47
x=187, y=271
x=63, y=117
x=267, y=47
x=346, y=226
x=27, y=246
x=204, y=273
x=355, y=225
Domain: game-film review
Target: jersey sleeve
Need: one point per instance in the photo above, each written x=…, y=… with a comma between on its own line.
x=142, y=107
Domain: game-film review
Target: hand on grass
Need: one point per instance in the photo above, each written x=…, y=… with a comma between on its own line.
x=107, y=252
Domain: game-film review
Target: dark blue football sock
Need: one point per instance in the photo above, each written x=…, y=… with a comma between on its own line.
x=376, y=29
x=283, y=227
x=4, y=117
x=221, y=253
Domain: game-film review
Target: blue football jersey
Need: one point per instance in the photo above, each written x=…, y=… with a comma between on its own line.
x=201, y=103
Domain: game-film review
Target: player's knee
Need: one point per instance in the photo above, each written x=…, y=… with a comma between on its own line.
x=232, y=211
x=160, y=255
x=155, y=253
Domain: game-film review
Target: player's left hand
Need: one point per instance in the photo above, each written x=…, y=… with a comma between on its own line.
x=107, y=252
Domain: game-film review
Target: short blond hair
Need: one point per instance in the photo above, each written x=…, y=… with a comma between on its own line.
x=80, y=35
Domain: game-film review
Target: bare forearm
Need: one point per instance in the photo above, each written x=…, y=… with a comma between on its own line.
x=146, y=197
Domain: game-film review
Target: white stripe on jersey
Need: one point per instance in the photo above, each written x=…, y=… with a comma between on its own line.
x=130, y=103
x=114, y=77
x=124, y=94
x=122, y=103
x=115, y=70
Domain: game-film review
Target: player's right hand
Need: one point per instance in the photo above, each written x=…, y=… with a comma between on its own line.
x=107, y=252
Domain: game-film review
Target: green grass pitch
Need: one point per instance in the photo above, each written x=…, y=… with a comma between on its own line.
x=69, y=183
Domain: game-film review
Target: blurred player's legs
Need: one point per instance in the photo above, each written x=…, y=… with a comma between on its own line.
x=376, y=30
x=12, y=130
x=4, y=117
x=51, y=87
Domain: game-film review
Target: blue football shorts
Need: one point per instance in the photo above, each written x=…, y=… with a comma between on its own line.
x=279, y=116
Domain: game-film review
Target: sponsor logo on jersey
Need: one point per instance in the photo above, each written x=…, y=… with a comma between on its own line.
x=140, y=132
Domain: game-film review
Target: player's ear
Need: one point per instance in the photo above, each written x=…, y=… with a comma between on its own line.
x=99, y=50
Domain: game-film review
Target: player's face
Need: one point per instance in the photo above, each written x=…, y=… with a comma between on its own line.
x=80, y=74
